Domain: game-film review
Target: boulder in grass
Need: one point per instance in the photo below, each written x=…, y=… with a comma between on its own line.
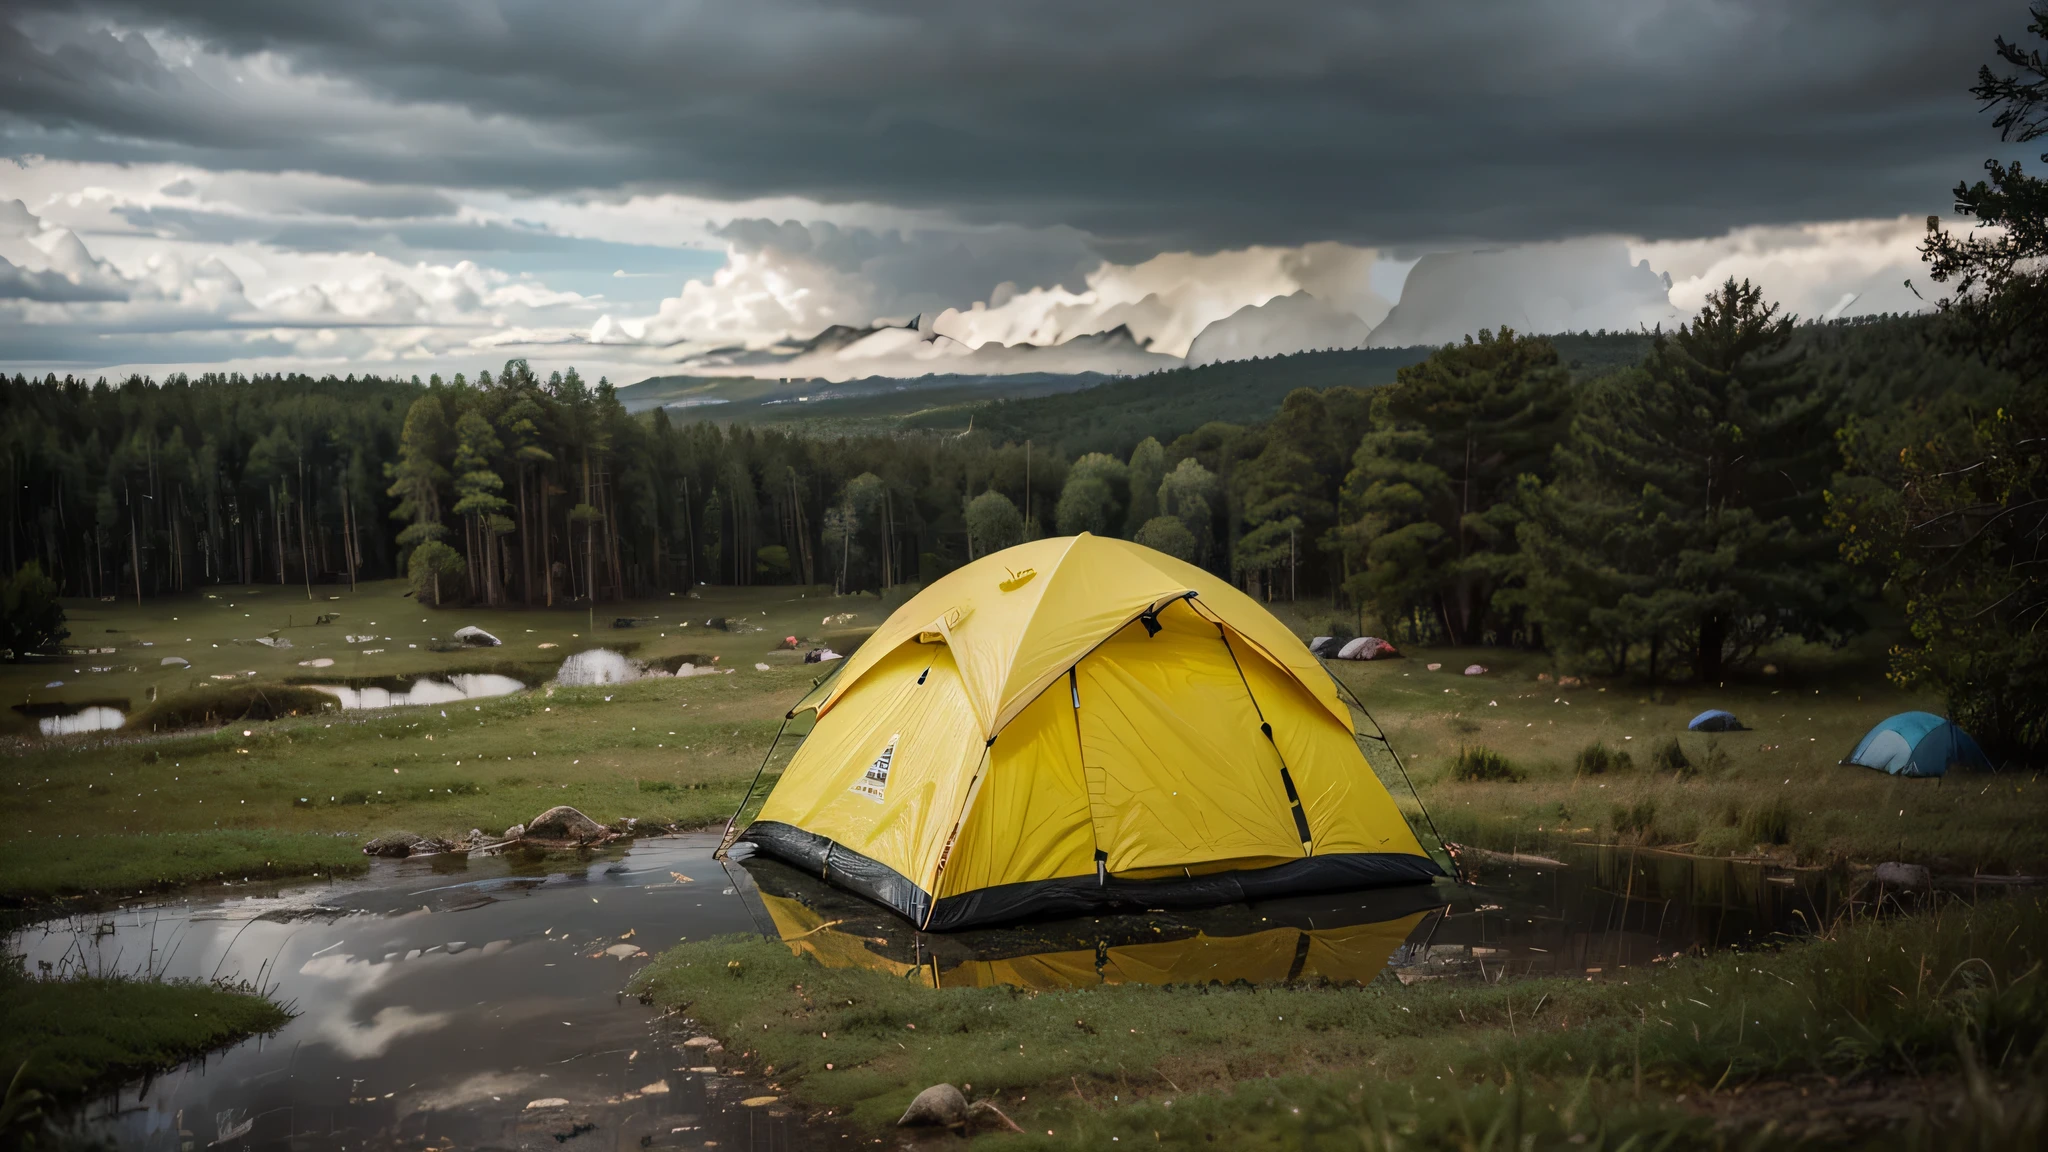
x=1475, y=669
x=395, y=846
x=399, y=845
x=472, y=636
x=563, y=823
x=1915, y=877
x=939, y=1106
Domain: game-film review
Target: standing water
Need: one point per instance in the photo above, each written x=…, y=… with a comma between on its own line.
x=475, y=1003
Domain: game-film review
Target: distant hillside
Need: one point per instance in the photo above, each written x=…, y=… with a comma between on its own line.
x=871, y=404
x=1113, y=417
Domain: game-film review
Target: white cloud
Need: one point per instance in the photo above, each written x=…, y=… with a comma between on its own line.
x=1817, y=271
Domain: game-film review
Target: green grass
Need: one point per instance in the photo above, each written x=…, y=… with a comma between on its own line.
x=1926, y=996
x=125, y=811
x=1802, y=721
x=131, y=865
x=76, y=1035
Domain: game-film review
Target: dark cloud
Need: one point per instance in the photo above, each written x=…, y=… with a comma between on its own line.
x=1148, y=123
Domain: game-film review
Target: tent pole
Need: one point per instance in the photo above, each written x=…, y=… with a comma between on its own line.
x=1458, y=872
x=732, y=826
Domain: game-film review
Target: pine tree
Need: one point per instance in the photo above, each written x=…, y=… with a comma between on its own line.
x=1429, y=501
x=1689, y=503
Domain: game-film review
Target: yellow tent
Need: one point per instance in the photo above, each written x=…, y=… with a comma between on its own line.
x=1078, y=723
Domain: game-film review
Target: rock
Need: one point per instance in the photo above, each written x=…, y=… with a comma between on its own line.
x=546, y=1102
x=429, y=845
x=1893, y=874
x=940, y=1105
x=515, y=832
x=564, y=823
x=701, y=1042
x=476, y=637
x=719, y=622
x=396, y=845
x=175, y=662
x=1475, y=669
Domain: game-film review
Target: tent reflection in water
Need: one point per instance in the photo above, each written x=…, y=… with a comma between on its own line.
x=1080, y=723
x=1346, y=939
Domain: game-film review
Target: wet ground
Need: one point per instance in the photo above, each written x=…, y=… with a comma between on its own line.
x=442, y=1003
x=452, y=1003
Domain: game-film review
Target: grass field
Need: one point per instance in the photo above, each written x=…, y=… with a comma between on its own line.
x=137, y=809
x=131, y=810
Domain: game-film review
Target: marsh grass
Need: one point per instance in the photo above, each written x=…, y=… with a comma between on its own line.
x=1768, y=823
x=1597, y=759
x=1475, y=764
x=1669, y=756
x=80, y=1034
x=1921, y=996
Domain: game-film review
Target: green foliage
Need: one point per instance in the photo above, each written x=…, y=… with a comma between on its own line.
x=1188, y=494
x=1480, y=765
x=1430, y=519
x=31, y=618
x=993, y=523
x=1950, y=509
x=1687, y=509
x=1168, y=535
x=1597, y=759
x=1147, y=469
x=430, y=567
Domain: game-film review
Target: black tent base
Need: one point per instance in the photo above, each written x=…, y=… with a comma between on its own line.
x=1008, y=903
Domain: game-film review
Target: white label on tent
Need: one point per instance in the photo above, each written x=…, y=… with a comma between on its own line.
x=874, y=783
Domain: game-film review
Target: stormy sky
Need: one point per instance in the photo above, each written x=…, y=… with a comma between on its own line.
x=640, y=182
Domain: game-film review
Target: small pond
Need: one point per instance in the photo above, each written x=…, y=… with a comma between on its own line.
x=425, y=690
x=440, y=997
x=437, y=999
x=70, y=718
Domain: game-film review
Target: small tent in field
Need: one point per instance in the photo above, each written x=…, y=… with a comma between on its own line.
x=1077, y=723
x=1714, y=720
x=1918, y=744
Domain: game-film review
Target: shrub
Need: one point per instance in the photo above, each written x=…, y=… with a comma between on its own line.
x=657, y=786
x=1482, y=764
x=1638, y=818
x=1768, y=823
x=1670, y=756
x=1597, y=759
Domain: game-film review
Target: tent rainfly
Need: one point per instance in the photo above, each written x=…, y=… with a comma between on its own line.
x=1917, y=744
x=1078, y=723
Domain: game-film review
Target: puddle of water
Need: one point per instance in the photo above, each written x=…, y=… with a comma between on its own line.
x=1601, y=912
x=597, y=666
x=96, y=718
x=437, y=998
x=460, y=686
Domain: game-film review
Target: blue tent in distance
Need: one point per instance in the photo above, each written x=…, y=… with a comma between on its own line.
x=1917, y=744
x=1715, y=720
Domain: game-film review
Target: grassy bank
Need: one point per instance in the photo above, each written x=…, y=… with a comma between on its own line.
x=116, y=865
x=76, y=1035
x=1775, y=789
x=1700, y=1046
